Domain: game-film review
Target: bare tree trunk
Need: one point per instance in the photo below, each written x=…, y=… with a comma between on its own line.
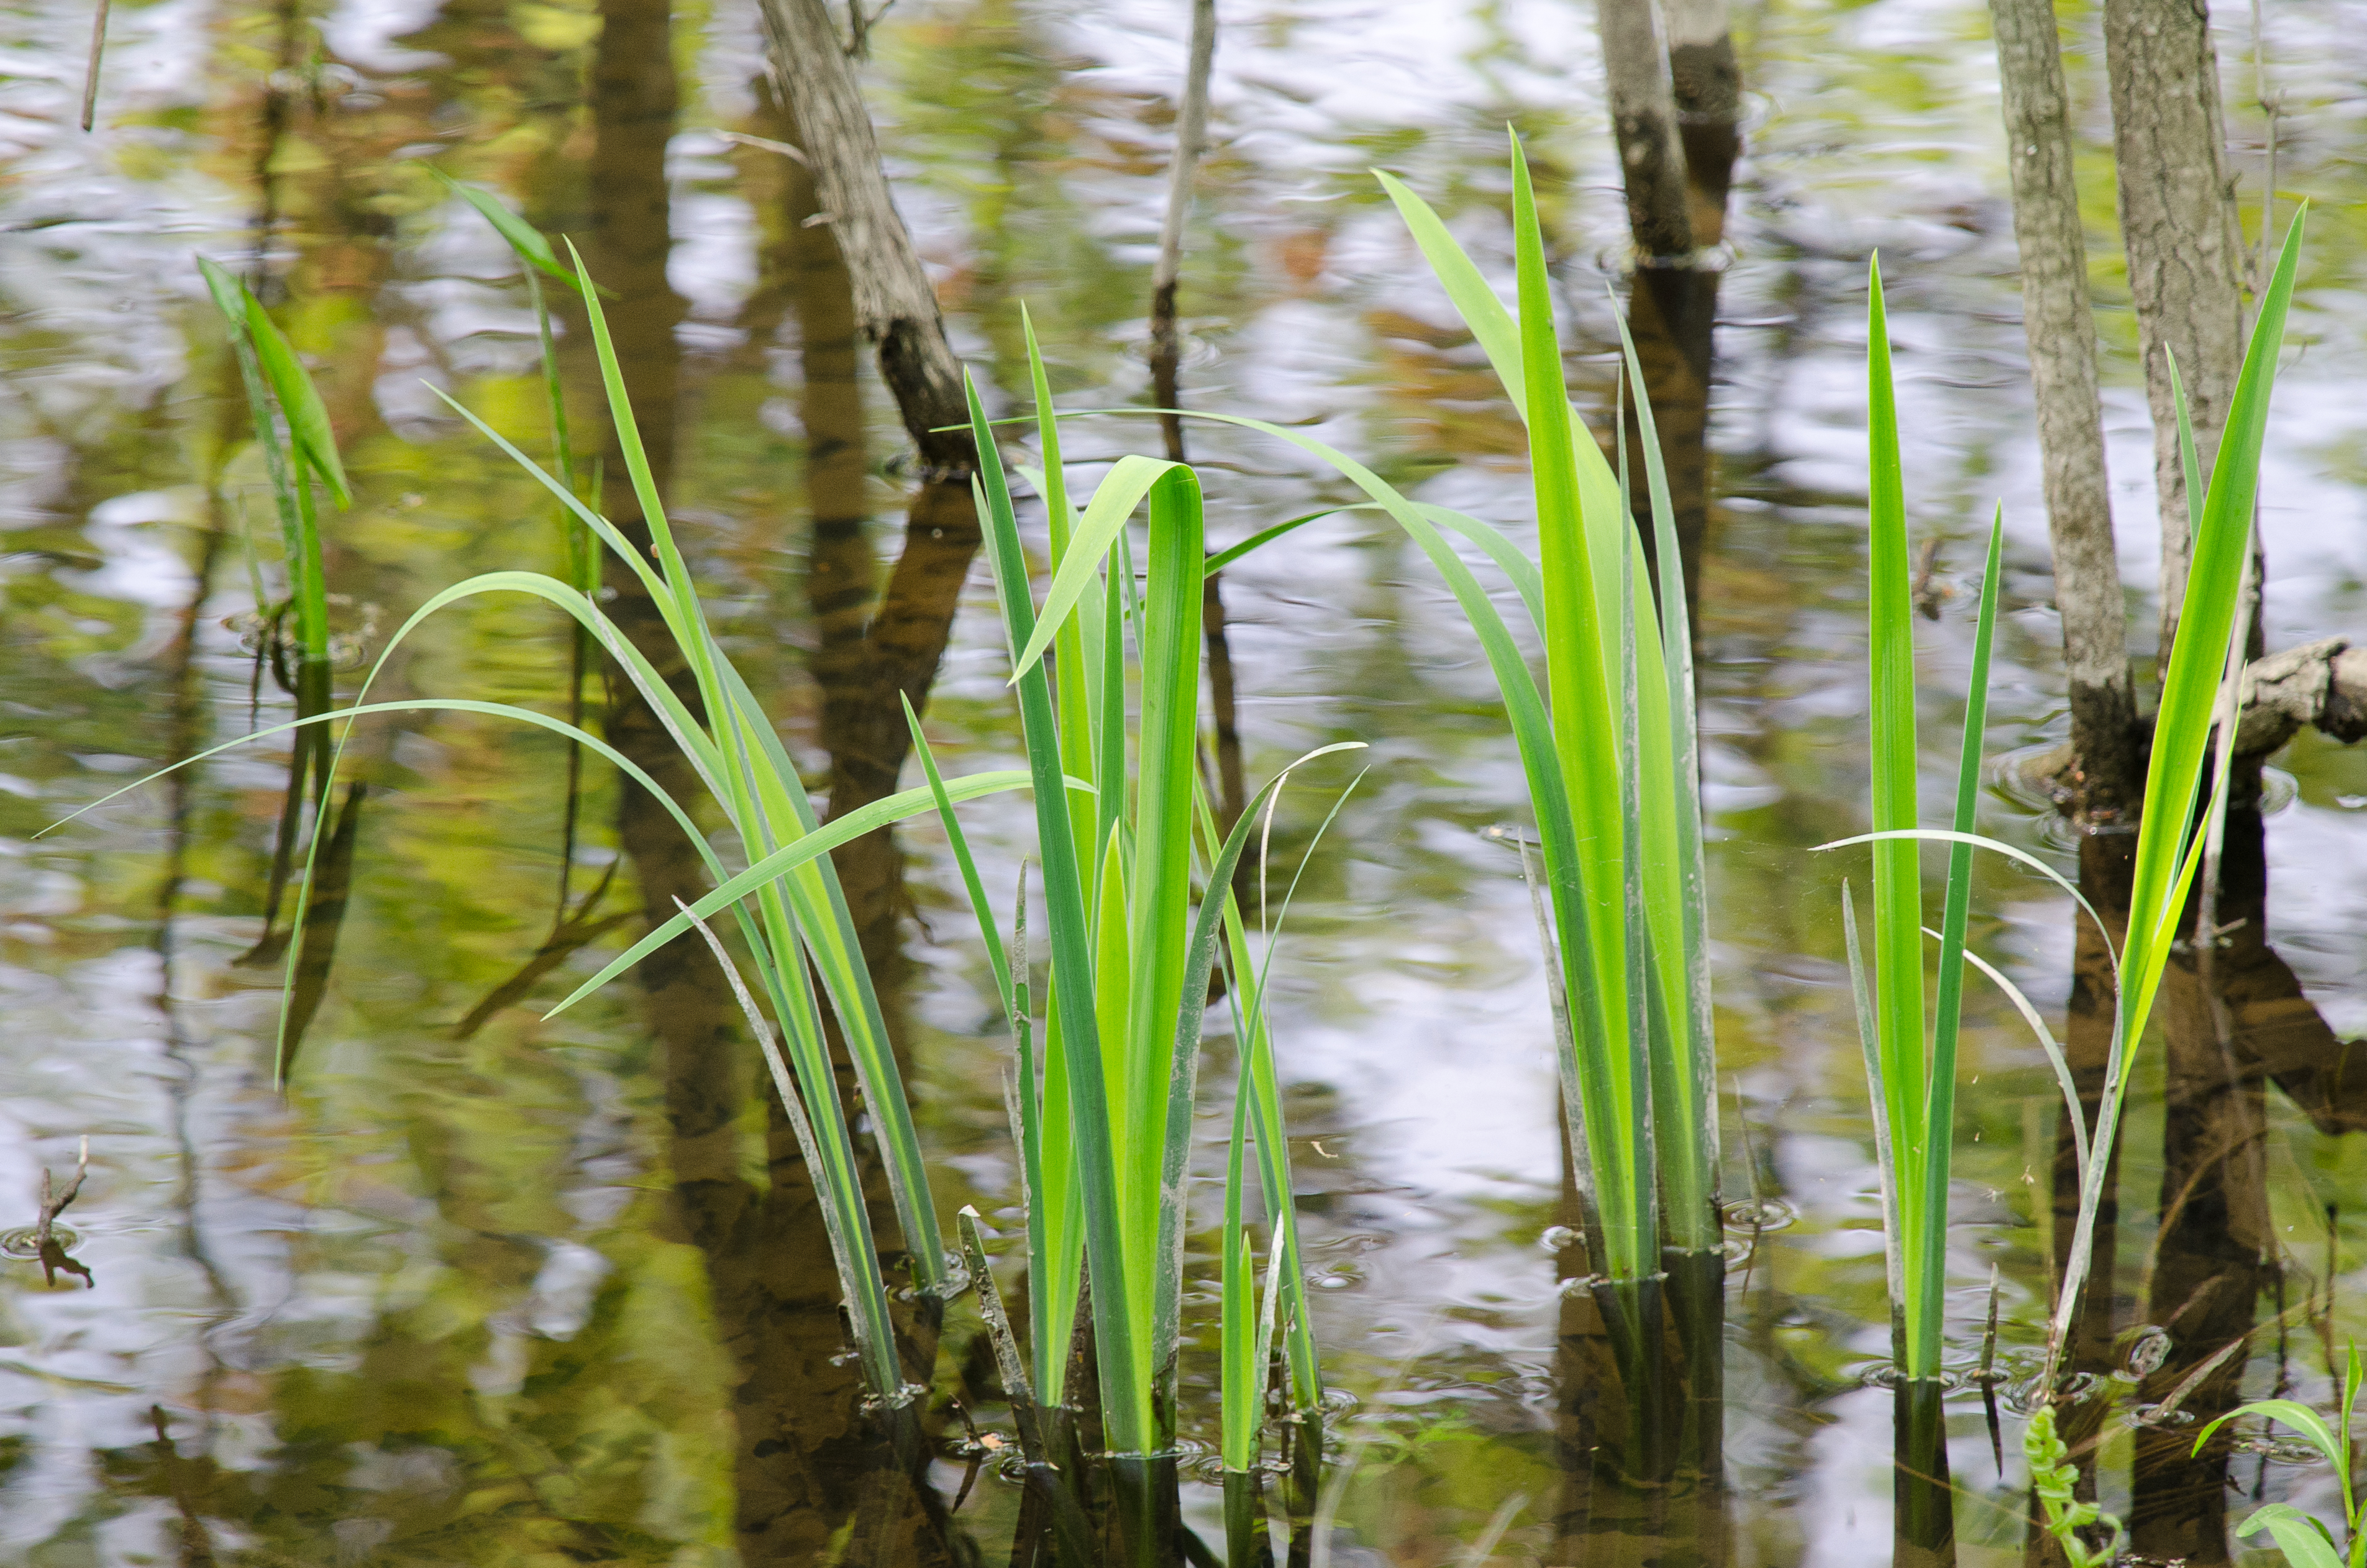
x=1707, y=90
x=1644, y=119
x=894, y=303
x=1166, y=388
x=2062, y=336
x=2178, y=218
x=1191, y=144
x=896, y=310
x=1677, y=118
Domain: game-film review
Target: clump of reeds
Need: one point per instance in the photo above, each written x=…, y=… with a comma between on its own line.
x=1608, y=749
x=1911, y=1058
x=1104, y=1080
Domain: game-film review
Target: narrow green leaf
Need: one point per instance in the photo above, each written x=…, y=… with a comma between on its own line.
x=300, y=402
x=970, y=884
x=1120, y=491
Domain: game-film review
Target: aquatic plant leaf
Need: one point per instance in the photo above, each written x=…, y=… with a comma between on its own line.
x=2291, y=1413
x=1121, y=490
x=1075, y=1028
x=2305, y=1541
x=2190, y=688
x=1491, y=322
x=2075, y=1115
x=965, y=861
x=300, y=401
x=864, y=1291
x=1685, y=1117
x=800, y=850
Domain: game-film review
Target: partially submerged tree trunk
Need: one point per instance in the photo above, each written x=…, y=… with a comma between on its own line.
x=1705, y=85
x=1644, y=119
x=896, y=310
x=1166, y=390
x=2061, y=331
x=1676, y=112
x=2177, y=220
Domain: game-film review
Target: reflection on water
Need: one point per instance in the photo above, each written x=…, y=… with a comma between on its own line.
x=557, y=1289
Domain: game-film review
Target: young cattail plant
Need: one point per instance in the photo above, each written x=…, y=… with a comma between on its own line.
x=785, y=900
x=1911, y=1076
x=1607, y=748
x=1914, y=1084
x=299, y=448
x=1104, y=1119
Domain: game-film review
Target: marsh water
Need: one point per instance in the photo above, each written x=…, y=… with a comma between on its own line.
x=480, y=1287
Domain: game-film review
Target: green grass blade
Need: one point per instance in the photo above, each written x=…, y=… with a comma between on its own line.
x=1245, y=1328
x=300, y=402
x=2013, y=852
x=2190, y=688
x=969, y=866
x=524, y=237
x=1676, y=880
x=2075, y=1116
x=606, y=530
x=1898, y=878
x=1176, y=1134
x=1491, y=322
x=1584, y=705
x=1120, y=491
x=690, y=620
x=1940, y=1093
x=1160, y=887
x=422, y=704
x=1885, y=1153
x=1078, y=663
x=844, y=1223
x=801, y=850
x=1265, y=537
x=1076, y=1034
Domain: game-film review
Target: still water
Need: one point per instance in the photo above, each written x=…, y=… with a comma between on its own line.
x=449, y=1298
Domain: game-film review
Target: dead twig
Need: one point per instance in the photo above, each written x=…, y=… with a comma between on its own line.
x=52, y=1253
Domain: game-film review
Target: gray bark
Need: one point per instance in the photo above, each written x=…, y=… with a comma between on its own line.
x=894, y=304
x=1643, y=115
x=2062, y=336
x=2320, y=684
x=1707, y=84
x=2177, y=220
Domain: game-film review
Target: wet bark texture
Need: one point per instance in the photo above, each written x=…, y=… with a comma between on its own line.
x=1643, y=120
x=2178, y=220
x=895, y=309
x=2104, y=777
x=1677, y=115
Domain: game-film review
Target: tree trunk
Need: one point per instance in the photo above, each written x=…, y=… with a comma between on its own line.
x=1706, y=86
x=896, y=310
x=1644, y=119
x=2177, y=220
x=894, y=303
x=2062, y=336
x=1677, y=116
x=1166, y=390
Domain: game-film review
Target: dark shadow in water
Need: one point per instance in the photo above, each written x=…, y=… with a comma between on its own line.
x=1639, y=1420
x=2215, y=1254
x=807, y=1461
